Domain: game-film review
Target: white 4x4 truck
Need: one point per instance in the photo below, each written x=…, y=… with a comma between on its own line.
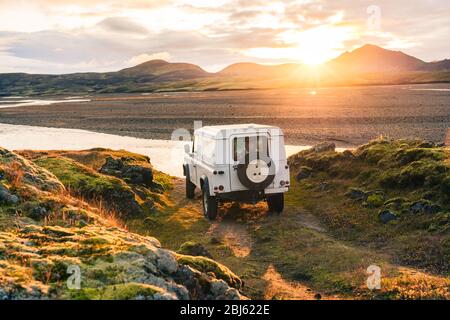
x=244, y=163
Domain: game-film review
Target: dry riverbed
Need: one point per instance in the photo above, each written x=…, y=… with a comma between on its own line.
x=349, y=116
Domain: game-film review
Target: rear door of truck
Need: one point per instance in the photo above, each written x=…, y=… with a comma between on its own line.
x=244, y=147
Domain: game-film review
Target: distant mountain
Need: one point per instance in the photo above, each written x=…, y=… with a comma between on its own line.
x=245, y=69
x=163, y=70
x=254, y=70
x=374, y=59
x=443, y=65
x=366, y=65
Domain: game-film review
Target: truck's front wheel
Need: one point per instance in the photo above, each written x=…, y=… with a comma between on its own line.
x=276, y=202
x=209, y=204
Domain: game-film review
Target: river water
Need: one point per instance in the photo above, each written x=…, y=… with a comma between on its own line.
x=165, y=155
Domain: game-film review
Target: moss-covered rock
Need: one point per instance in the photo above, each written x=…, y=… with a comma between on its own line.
x=85, y=182
x=207, y=265
x=193, y=248
x=122, y=182
x=18, y=169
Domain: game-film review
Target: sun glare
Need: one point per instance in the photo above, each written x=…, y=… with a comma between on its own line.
x=312, y=47
x=317, y=45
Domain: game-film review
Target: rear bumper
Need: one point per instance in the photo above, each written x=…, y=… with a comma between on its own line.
x=248, y=196
x=276, y=190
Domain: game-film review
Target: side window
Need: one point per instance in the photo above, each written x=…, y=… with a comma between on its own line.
x=198, y=145
x=240, y=147
x=209, y=150
x=263, y=147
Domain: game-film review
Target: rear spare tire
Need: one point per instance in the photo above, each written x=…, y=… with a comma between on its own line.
x=257, y=174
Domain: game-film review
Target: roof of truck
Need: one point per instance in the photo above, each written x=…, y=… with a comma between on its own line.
x=224, y=131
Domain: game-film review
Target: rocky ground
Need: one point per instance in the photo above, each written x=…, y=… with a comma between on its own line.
x=54, y=228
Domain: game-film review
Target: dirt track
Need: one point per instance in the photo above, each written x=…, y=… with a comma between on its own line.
x=234, y=234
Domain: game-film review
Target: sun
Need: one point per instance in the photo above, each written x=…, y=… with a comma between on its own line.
x=313, y=58
x=318, y=45
x=312, y=47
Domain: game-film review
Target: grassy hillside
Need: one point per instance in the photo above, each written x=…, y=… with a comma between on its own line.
x=51, y=228
x=385, y=204
x=393, y=196
x=331, y=230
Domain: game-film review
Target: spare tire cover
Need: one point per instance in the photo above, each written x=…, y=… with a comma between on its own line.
x=257, y=174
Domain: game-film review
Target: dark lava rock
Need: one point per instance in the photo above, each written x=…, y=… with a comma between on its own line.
x=303, y=173
x=347, y=154
x=426, y=144
x=7, y=197
x=386, y=215
x=134, y=174
x=38, y=213
x=325, y=186
x=194, y=249
x=357, y=194
x=323, y=147
x=422, y=206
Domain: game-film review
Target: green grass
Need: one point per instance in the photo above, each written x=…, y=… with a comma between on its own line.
x=80, y=179
x=399, y=173
x=124, y=291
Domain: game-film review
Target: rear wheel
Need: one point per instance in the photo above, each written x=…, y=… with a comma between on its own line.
x=276, y=202
x=209, y=204
x=190, y=189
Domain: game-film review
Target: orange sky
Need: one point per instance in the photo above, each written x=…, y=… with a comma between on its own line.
x=90, y=35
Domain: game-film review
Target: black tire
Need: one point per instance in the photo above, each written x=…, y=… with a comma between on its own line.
x=209, y=203
x=190, y=189
x=276, y=202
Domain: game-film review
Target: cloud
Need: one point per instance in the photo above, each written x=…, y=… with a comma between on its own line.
x=123, y=25
x=98, y=35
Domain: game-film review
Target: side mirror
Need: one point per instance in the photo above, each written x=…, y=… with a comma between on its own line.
x=187, y=148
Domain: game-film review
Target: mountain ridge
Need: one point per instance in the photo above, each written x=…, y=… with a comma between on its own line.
x=366, y=65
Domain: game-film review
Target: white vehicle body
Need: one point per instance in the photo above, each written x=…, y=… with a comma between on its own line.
x=237, y=162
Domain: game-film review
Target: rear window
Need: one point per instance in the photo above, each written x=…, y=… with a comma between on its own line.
x=249, y=148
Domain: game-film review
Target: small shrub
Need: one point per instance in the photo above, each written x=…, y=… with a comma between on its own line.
x=375, y=200
x=14, y=174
